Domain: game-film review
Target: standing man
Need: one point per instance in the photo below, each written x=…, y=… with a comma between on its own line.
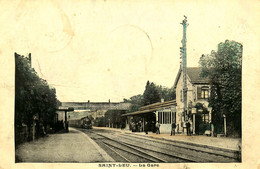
x=212, y=129
x=157, y=127
x=173, y=128
x=188, y=128
x=146, y=127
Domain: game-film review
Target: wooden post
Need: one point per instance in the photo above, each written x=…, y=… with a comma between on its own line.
x=126, y=123
x=210, y=122
x=143, y=123
x=193, y=124
x=33, y=130
x=225, y=125
x=66, y=122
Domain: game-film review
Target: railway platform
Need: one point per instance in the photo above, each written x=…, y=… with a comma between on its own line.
x=201, y=140
x=74, y=146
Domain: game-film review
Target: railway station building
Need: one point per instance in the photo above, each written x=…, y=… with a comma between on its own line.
x=163, y=112
x=198, y=114
x=198, y=93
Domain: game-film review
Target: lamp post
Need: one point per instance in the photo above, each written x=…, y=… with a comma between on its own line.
x=193, y=111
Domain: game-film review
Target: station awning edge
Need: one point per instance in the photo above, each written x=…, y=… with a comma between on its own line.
x=138, y=112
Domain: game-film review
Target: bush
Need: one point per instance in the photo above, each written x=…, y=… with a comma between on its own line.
x=203, y=127
x=100, y=122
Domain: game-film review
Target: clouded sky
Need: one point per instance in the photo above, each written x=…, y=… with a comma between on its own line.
x=100, y=50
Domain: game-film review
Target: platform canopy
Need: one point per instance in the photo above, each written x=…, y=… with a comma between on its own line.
x=152, y=108
x=137, y=113
x=62, y=108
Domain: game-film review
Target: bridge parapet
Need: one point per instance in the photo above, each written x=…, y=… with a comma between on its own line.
x=98, y=105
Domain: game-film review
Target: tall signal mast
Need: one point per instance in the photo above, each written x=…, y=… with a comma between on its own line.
x=184, y=67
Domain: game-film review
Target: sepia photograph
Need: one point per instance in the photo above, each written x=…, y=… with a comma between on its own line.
x=130, y=84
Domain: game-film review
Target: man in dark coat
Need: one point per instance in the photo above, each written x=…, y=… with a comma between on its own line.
x=188, y=128
x=173, y=128
x=146, y=127
x=157, y=127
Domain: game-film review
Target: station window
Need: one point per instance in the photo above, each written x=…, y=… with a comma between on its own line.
x=173, y=116
x=202, y=92
x=166, y=117
x=205, y=118
x=160, y=117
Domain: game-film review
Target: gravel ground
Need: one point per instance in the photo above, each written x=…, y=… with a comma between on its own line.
x=64, y=147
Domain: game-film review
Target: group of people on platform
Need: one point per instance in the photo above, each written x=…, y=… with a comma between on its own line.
x=155, y=127
x=173, y=128
x=145, y=127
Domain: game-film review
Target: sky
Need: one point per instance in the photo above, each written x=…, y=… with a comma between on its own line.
x=101, y=50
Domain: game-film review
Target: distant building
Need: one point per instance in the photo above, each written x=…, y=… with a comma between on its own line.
x=94, y=109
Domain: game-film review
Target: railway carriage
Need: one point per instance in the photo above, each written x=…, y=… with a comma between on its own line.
x=84, y=122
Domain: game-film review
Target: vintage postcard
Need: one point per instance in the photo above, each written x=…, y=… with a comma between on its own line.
x=129, y=84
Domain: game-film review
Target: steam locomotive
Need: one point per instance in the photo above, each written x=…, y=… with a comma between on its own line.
x=84, y=122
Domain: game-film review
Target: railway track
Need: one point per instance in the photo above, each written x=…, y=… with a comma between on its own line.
x=139, y=149
x=134, y=153
x=218, y=154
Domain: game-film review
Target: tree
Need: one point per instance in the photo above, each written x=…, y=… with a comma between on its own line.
x=151, y=94
x=33, y=96
x=136, y=102
x=100, y=122
x=223, y=68
x=166, y=93
x=114, y=117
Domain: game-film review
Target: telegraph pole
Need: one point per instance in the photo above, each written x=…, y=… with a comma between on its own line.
x=184, y=67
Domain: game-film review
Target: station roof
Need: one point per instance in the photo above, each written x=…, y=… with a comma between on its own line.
x=152, y=108
x=193, y=75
